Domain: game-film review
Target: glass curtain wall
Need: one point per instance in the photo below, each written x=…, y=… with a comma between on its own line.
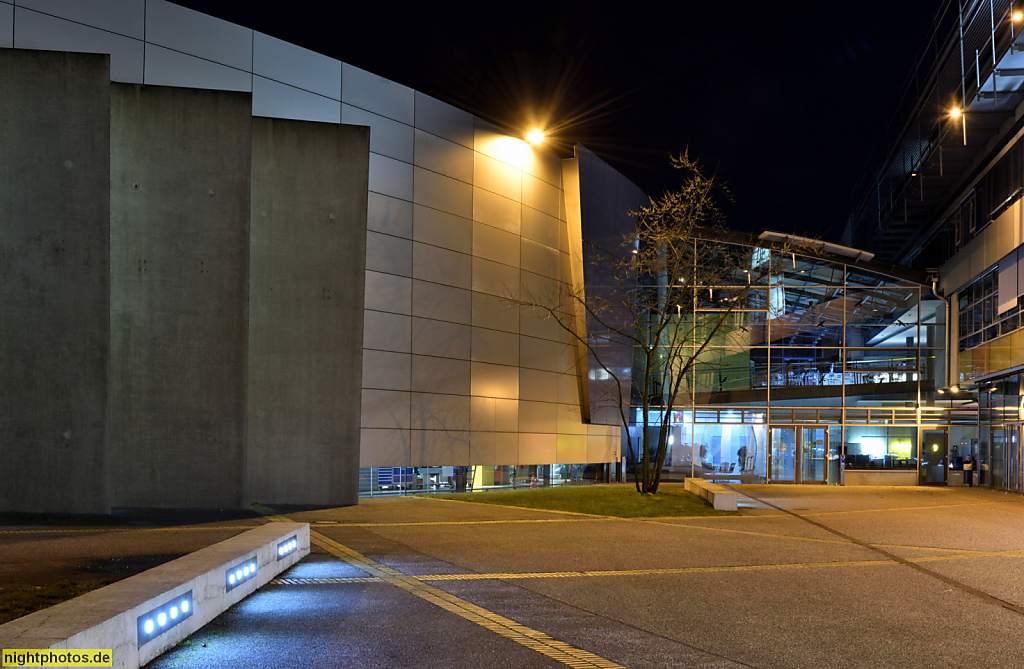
x=812, y=342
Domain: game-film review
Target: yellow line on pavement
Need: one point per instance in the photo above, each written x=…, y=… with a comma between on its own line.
x=510, y=629
x=505, y=627
x=943, y=549
x=504, y=576
x=973, y=554
x=899, y=508
x=649, y=572
x=770, y=535
x=176, y=528
x=709, y=569
x=575, y=520
x=427, y=523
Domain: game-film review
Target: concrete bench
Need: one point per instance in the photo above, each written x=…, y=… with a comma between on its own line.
x=718, y=496
x=144, y=615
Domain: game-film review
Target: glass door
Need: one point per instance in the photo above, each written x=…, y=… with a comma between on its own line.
x=783, y=455
x=933, y=457
x=1014, y=482
x=999, y=439
x=813, y=447
x=798, y=454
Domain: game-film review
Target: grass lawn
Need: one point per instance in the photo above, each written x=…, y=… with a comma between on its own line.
x=17, y=600
x=620, y=500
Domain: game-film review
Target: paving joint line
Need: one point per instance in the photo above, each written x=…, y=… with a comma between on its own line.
x=896, y=558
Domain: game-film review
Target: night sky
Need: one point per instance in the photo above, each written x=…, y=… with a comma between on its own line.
x=788, y=101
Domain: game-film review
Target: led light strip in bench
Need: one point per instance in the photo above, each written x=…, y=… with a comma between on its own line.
x=239, y=574
x=164, y=617
x=287, y=547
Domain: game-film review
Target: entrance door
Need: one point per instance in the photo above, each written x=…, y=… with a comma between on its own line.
x=798, y=454
x=933, y=457
x=997, y=461
x=813, y=447
x=1014, y=471
x=783, y=455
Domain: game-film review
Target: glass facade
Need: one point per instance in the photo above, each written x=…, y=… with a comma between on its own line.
x=385, y=481
x=826, y=373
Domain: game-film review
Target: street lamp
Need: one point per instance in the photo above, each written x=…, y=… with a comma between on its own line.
x=535, y=136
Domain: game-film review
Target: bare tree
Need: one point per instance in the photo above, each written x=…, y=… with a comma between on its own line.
x=677, y=284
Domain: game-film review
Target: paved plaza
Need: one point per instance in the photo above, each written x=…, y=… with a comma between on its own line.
x=802, y=577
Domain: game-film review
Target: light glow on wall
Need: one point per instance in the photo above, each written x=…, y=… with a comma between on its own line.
x=509, y=150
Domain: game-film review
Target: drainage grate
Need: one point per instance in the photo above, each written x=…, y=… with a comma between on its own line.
x=328, y=579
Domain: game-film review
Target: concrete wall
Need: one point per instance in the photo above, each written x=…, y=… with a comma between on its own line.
x=877, y=477
x=54, y=278
x=1002, y=236
x=179, y=193
x=307, y=265
x=459, y=215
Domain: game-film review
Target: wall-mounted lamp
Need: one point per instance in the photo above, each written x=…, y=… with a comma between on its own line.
x=535, y=137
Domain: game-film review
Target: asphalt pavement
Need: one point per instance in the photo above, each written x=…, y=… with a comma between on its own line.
x=801, y=577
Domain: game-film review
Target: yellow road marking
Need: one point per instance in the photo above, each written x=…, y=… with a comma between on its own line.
x=505, y=627
x=510, y=629
x=176, y=528
x=649, y=572
x=749, y=532
x=932, y=558
x=502, y=576
x=901, y=508
x=428, y=523
x=518, y=508
x=945, y=549
x=698, y=570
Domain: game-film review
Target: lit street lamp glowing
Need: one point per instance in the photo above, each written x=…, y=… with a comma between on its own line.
x=535, y=137
x=1018, y=15
x=955, y=112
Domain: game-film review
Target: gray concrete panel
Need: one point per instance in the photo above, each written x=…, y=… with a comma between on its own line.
x=307, y=268
x=179, y=241
x=54, y=278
